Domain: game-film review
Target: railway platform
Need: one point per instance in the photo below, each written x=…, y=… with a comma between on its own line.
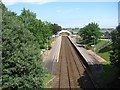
x=50, y=62
x=90, y=57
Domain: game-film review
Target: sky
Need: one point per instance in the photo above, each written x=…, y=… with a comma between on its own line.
x=119, y=12
x=70, y=14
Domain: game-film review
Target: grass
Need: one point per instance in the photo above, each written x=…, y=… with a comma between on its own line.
x=105, y=52
x=103, y=49
x=100, y=44
x=105, y=55
x=47, y=78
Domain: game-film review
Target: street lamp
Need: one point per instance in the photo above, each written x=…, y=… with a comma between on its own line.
x=94, y=43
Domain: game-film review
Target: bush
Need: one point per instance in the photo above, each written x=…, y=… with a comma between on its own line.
x=22, y=65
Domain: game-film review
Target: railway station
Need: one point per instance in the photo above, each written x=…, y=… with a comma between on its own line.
x=71, y=66
x=59, y=45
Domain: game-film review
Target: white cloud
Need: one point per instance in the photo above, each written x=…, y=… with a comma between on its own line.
x=11, y=2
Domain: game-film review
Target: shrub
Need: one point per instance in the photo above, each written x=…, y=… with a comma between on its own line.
x=22, y=65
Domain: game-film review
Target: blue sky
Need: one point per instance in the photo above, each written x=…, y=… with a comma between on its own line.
x=73, y=14
x=119, y=12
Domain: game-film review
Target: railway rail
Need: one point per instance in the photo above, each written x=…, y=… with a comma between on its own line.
x=71, y=72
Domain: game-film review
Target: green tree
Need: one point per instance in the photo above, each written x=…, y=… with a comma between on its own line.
x=90, y=33
x=115, y=55
x=55, y=28
x=41, y=30
x=21, y=63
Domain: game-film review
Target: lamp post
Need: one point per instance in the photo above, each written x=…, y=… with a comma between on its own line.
x=94, y=43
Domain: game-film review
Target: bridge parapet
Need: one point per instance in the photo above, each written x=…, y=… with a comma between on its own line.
x=64, y=31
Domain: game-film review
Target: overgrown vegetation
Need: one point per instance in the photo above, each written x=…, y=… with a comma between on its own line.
x=108, y=75
x=46, y=82
x=23, y=38
x=115, y=55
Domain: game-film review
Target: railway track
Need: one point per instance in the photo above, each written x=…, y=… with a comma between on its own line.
x=71, y=72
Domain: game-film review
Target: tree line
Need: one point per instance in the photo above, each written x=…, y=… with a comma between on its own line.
x=23, y=37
